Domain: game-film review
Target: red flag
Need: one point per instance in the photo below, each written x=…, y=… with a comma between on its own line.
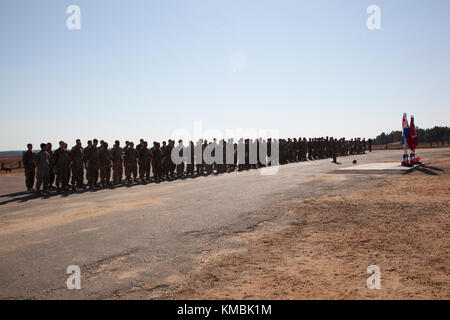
x=412, y=138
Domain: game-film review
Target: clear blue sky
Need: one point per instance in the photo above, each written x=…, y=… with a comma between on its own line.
x=146, y=68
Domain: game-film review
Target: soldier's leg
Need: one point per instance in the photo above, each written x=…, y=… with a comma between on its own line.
x=45, y=179
x=94, y=176
x=128, y=172
x=81, y=173
x=149, y=169
x=89, y=176
x=102, y=176
x=67, y=175
x=27, y=179
x=119, y=175
x=51, y=178
x=74, y=176
x=96, y=171
x=141, y=171
x=108, y=175
x=146, y=171
x=77, y=174
x=58, y=179
x=30, y=179
x=38, y=181
x=64, y=180
x=135, y=172
x=115, y=174
x=105, y=176
x=88, y=179
x=158, y=171
x=155, y=170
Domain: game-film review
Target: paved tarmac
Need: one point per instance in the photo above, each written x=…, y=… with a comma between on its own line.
x=136, y=241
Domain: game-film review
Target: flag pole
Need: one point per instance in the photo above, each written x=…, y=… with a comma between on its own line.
x=404, y=139
x=414, y=142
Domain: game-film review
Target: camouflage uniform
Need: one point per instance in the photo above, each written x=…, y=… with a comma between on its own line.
x=104, y=159
x=61, y=160
x=157, y=157
x=77, y=156
x=130, y=163
x=28, y=160
x=43, y=170
x=92, y=166
x=144, y=155
x=87, y=151
x=117, y=153
x=51, y=178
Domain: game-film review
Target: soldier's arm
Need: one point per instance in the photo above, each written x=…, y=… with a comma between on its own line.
x=24, y=161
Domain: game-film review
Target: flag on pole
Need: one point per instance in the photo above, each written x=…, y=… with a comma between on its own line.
x=412, y=138
x=405, y=134
x=412, y=142
x=405, y=131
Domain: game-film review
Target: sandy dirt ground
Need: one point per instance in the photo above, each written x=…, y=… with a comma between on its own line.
x=402, y=225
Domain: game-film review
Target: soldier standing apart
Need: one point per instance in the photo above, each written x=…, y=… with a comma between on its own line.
x=77, y=156
x=130, y=163
x=117, y=154
x=43, y=167
x=28, y=160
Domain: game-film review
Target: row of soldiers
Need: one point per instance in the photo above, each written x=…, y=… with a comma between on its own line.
x=293, y=150
x=97, y=159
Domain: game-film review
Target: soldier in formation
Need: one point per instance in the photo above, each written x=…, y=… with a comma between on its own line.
x=130, y=158
x=42, y=160
x=77, y=159
x=117, y=159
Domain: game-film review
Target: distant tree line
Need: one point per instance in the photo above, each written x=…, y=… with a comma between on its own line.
x=423, y=135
